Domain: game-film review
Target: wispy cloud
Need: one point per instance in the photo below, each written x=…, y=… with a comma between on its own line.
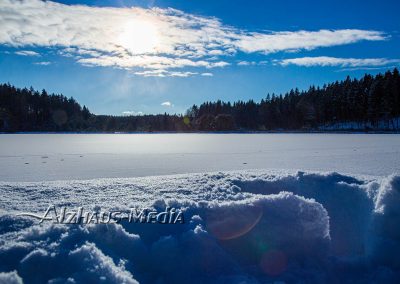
x=165, y=73
x=251, y=63
x=303, y=40
x=386, y=67
x=43, y=63
x=151, y=42
x=167, y=104
x=27, y=53
x=246, y=63
x=336, y=61
x=207, y=74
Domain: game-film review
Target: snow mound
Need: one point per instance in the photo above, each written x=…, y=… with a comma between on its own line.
x=239, y=227
x=10, y=278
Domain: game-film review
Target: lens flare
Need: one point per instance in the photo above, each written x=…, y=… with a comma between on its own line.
x=273, y=262
x=230, y=223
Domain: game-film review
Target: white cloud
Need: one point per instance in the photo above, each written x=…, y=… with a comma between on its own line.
x=27, y=53
x=131, y=113
x=150, y=42
x=251, y=63
x=216, y=52
x=218, y=64
x=164, y=73
x=335, y=61
x=43, y=63
x=167, y=104
x=303, y=40
x=181, y=74
x=246, y=63
x=206, y=74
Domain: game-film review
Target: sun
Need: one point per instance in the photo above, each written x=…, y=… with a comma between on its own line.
x=139, y=37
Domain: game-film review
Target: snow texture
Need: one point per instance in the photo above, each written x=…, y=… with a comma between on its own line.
x=240, y=227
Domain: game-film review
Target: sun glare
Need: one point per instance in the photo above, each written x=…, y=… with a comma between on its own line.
x=139, y=37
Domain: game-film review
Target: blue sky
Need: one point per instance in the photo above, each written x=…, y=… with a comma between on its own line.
x=163, y=56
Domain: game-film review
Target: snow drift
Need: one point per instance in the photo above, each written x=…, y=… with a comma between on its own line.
x=240, y=227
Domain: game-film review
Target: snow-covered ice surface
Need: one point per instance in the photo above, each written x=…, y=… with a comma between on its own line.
x=242, y=226
x=30, y=157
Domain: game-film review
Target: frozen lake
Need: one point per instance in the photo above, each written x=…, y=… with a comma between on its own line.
x=41, y=157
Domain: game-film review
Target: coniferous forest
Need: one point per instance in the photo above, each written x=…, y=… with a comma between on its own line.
x=369, y=103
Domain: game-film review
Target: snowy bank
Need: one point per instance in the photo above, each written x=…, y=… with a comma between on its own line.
x=240, y=227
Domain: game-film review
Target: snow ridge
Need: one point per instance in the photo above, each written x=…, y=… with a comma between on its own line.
x=240, y=227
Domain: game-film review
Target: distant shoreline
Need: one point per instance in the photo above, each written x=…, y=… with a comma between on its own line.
x=217, y=132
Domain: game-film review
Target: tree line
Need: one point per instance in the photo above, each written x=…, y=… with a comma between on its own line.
x=372, y=102
x=28, y=110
